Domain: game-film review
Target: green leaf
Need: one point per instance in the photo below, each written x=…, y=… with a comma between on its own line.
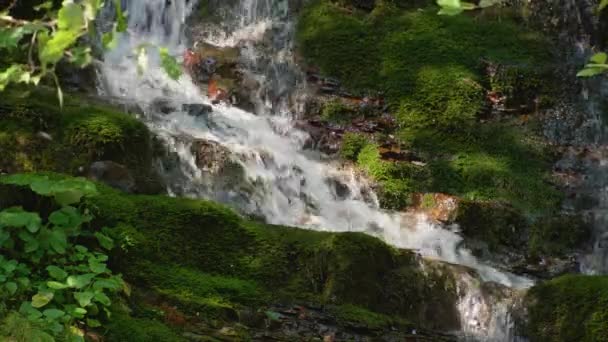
x=78, y=312
x=31, y=246
x=11, y=287
x=28, y=310
x=96, y=267
x=599, y=58
x=109, y=284
x=489, y=3
x=23, y=281
x=121, y=18
x=53, y=313
x=42, y=298
x=81, y=249
x=10, y=37
x=47, y=5
x=84, y=298
x=169, y=64
x=101, y=297
x=80, y=281
x=90, y=8
x=68, y=197
x=110, y=39
x=59, y=218
x=9, y=266
x=18, y=218
x=602, y=5
x=56, y=285
x=75, y=334
x=104, y=241
x=467, y=6
x=590, y=72
x=16, y=73
x=70, y=17
x=5, y=237
x=54, y=49
x=58, y=241
x=56, y=272
x=450, y=7
x=93, y=323
x=81, y=56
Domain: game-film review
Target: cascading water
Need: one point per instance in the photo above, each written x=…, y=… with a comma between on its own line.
x=275, y=177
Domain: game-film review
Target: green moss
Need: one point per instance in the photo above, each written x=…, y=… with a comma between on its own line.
x=428, y=201
x=202, y=254
x=557, y=235
x=352, y=144
x=498, y=162
x=397, y=180
x=200, y=293
x=569, y=308
x=432, y=71
x=124, y=328
x=352, y=314
x=204, y=258
x=337, y=112
x=495, y=223
x=81, y=133
x=411, y=54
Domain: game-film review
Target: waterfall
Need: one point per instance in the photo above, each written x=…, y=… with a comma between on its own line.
x=271, y=175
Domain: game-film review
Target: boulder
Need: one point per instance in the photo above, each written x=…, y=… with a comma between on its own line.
x=197, y=109
x=439, y=207
x=163, y=106
x=112, y=174
x=210, y=156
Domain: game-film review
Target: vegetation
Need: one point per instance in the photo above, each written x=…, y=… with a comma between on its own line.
x=431, y=70
x=53, y=33
x=211, y=263
x=53, y=285
x=569, y=308
x=78, y=134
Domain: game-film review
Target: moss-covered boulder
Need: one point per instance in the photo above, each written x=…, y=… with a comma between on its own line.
x=252, y=262
x=495, y=223
x=210, y=264
x=37, y=135
x=570, y=308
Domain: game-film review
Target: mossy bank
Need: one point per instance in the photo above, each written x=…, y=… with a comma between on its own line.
x=211, y=265
x=440, y=77
x=37, y=135
x=570, y=308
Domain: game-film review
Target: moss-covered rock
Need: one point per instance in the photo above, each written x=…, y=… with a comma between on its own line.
x=125, y=328
x=495, y=223
x=211, y=263
x=37, y=135
x=569, y=308
x=209, y=260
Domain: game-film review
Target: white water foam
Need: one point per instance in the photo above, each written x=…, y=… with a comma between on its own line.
x=291, y=184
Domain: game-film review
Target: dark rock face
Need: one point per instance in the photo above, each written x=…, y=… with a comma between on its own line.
x=163, y=106
x=210, y=155
x=112, y=174
x=197, y=109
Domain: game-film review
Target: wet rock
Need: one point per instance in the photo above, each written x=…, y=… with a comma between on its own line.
x=197, y=109
x=439, y=207
x=210, y=156
x=164, y=106
x=112, y=174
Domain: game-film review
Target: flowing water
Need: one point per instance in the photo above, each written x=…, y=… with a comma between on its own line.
x=277, y=178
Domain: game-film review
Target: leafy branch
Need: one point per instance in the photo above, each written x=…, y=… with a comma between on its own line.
x=59, y=35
